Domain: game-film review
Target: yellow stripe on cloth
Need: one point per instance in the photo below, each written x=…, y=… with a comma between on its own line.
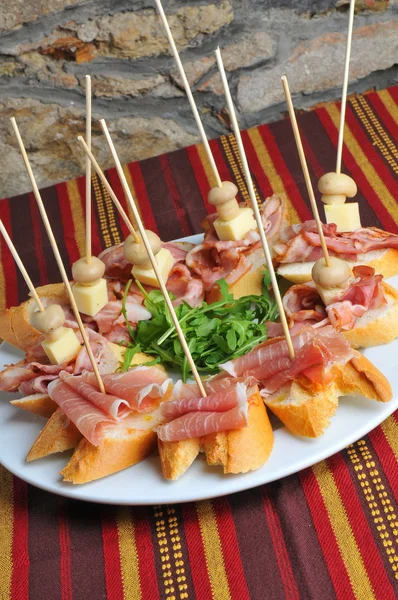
x=389, y=103
x=128, y=555
x=270, y=171
x=78, y=216
x=6, y=528
x=345, y=538
x=213, y=551
x=363, y=162
x=390, y=430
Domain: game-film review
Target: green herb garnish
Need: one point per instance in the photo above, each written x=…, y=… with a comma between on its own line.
x=215, y=332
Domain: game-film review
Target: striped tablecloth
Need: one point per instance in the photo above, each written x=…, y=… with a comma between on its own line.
x=328, y=532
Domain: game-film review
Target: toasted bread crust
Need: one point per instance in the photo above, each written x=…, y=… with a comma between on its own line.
x=381, y=330
x=58, y=435
x=177, y=457
x=15, y=327
x=360, y=376
x=112, y=455
x=38, y=404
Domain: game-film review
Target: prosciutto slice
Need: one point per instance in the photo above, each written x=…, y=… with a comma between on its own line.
x=14, y=375
x=216, y=402
x=184, y=286
x=111, y=405
x=89, y=420
x=140, y=387
x=202, y=422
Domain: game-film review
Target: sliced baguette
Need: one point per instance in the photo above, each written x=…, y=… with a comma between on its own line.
x=383, y=261
x=377, y=326
x=306, y=411
x=237, y=451
x=58, y=435
x=15, y=327
x=38, y=404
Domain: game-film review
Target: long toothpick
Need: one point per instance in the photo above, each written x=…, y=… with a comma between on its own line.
x=253, y=199
x=152, y=258
x=304, y=166
x=345, y=87
x=56, y=253
x=189, y=94
x=88, y=169
x=20, y=264
x=90, y=157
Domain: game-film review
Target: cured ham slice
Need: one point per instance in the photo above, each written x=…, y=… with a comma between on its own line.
x=116, y=265
x=178, y=252
x=140, y=387
x=268, y=351
x=14, y=375
x=90, y=420
x=216, y=402
x=38, y=385
x=201, y=423
x=185, y=287
x=111, y=405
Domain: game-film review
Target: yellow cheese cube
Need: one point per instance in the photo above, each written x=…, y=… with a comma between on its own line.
x=237, y=228
x=346, y=216
x=64, y=347
x=165, y=263
x=329, y=296
x=91, y=298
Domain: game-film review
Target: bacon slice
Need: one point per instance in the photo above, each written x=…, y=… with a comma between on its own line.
x=201, y=423
x=111, y=405
x=90, y=420
x=140, y=387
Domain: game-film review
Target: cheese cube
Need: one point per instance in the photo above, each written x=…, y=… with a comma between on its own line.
x=91, y=298
x=346, y=216
x=237, y=228
x=64, y=347
x=165, y=261
x=329, y=296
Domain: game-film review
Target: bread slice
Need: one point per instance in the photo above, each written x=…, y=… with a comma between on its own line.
x=116, y=452
x=15, y=327
x=58, y=435
x=306, y=411
x=38, y=404
x=377, y=326
x=237, y=451
x=383, y=261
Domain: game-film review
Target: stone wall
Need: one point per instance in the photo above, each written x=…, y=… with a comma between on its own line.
x=47, y=47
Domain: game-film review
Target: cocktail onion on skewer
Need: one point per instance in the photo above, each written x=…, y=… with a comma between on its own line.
x=152, y=247
x=336, y=187
x=65, y=335
x=253, y=199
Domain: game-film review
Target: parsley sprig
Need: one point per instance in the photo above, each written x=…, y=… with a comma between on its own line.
x=215, y=332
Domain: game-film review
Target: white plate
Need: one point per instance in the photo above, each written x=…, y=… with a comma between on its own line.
x=143, y=483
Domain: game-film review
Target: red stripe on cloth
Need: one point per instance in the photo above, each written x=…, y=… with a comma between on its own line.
x=38, y=241
x=142, y=196
x=389, y=123
x=386, y=457
x=357, y=173
x=65, y=558
x=326, y=537
x=174, y=195
x=223, y=165
x=111, y=552
x=146, y=556
x=96, y=237
x=117, y=187
x=278, y=540
x=200, y=176
x=282, y=170
x=197, y=557
x=20, y=552
x=262, y=181
x=230, y=548
x=9, y=267
x=67, y=221
x=361, y=530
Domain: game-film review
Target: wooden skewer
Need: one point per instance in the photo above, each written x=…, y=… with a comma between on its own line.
x=189, y=94
x=152, y=258
x=345, y=87
x=20, y=264
x=110, y=191
x=88, y=169
x=57, y=254
x=253, y=199
x=304, y=166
